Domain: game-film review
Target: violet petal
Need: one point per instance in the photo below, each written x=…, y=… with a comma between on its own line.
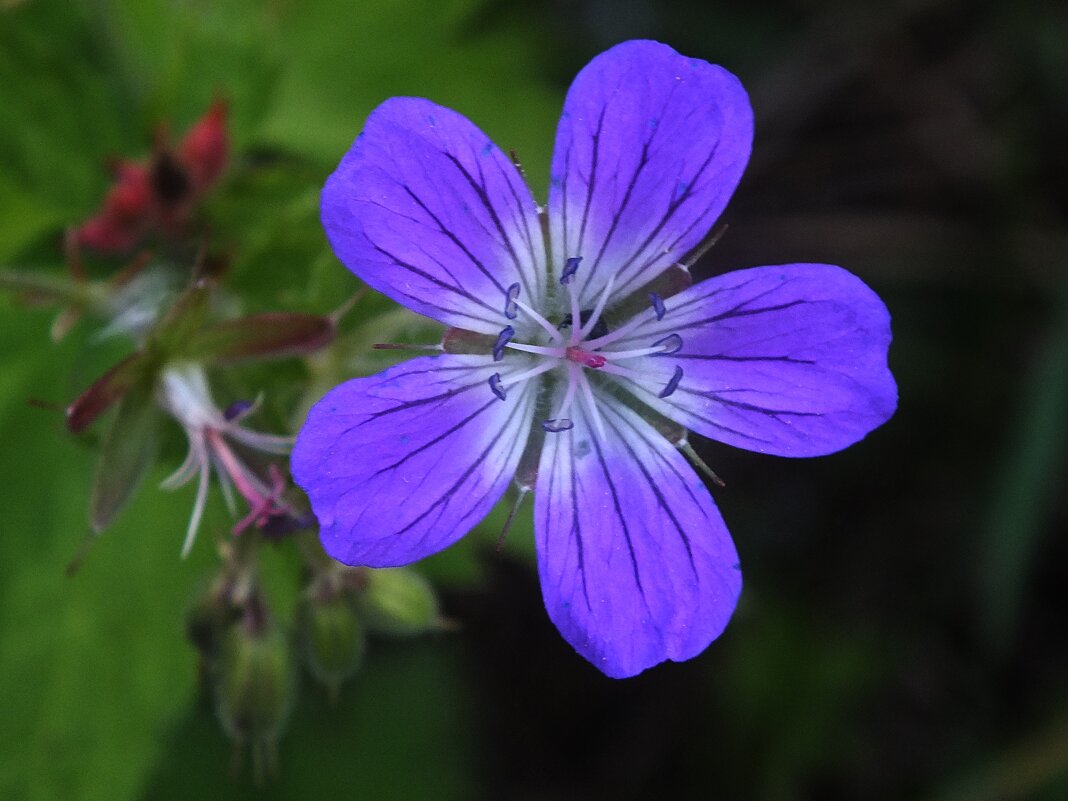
x=636, y=563
x=427, y=210
x=649, y=148
x=402, y=464
x=788, y=360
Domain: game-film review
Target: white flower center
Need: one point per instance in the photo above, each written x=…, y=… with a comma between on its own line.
x=574, y=346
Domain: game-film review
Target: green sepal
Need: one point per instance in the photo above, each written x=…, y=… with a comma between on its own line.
x=107, y=390
x=333, y=638
x=47, y=288
x=270, y=335
x=398, y=601
x=184, y=320
x=127, y=451
x=462, y=341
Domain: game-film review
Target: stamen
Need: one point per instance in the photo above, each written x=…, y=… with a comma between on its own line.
x=576, y=314
x=185, y=473
x=564, y=408
x=591, y=405
x=570, y=268
x=618, y=333
x=269, y=506
x=510, y=308
x=269, y=443
x=672, y=343
x=625, y=372
x=598, y=309
x=495, y=386
x=198, y=504
x=533, y=315
x=250, y=486
x=519, y=378
x=237, y=409
x=557, y=425
x=673, y=384
x=556, y=353
x=403, y=346
x=619, y=355
x=227, y=487
x=502, y=340
x=658, y=305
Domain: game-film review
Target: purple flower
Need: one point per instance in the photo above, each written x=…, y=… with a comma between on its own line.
x=575, y=382
x=185, y=395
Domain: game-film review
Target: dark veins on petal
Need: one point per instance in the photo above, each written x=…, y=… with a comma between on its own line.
x=617, y=506
x=434, y=280
x=660, y=499
x=480, y=189
x=453, y=238
x=573, y=507
x=441, y=503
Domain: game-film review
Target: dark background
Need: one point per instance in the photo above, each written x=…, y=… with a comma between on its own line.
x=900, y=633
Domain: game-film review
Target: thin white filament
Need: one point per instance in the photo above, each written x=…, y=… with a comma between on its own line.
x=591, y=405
x=198, y=504
x=598, y=309
x=533, y=315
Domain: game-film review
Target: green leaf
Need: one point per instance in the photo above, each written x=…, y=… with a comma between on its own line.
x=336, y=73
x=1028, y=488
x=94, y=666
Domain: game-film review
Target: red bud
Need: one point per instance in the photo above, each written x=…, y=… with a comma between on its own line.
x=206, y=146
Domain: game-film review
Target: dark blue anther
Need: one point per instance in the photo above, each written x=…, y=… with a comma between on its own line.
x=503, y=339
x=510, y=309
x=495, y=386
x=672, y=343
x=236, y=409
x=658, y=305
x=673, y=384
x=570, y=268
x=557, y=425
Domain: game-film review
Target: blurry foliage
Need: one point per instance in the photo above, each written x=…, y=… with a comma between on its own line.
x=899, y=634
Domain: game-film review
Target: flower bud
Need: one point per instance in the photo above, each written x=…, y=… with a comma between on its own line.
x=398, y=601
x=332, y=636
x=206, y=146
x=255, y=683
x=208, y=620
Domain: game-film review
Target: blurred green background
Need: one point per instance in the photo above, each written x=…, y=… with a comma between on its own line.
x=901, y=632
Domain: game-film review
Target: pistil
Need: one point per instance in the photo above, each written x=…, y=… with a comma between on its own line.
x=585, y=358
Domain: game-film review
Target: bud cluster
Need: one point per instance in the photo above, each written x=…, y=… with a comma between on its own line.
x=249, y=654
x=188, y=339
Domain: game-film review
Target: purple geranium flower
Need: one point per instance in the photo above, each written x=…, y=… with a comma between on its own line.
x=575, y=384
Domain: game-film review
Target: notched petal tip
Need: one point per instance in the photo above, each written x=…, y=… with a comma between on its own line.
x=649, y=149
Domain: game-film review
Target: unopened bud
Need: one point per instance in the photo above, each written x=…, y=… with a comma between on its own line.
x=206, y=146
x=208, y=620
x=398, y=601
x=332, y=637
x=255, y=685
